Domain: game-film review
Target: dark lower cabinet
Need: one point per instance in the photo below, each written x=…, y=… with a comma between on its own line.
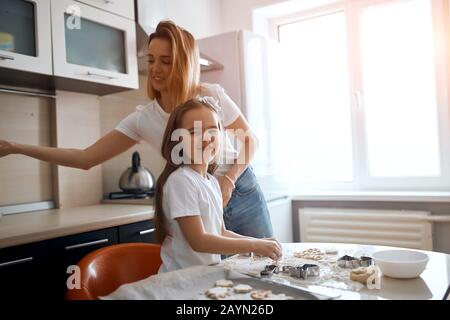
x=40, y=270
x=23, y=271
x=67, y=251
x=143, y=231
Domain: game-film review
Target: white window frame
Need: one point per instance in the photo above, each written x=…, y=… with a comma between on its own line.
x=362, y=179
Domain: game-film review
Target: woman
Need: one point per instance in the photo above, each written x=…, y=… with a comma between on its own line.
x=174, y=78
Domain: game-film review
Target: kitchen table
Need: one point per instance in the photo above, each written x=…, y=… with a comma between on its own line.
x=433, y=283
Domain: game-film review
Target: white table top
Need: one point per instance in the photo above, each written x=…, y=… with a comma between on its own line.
x=432, y=283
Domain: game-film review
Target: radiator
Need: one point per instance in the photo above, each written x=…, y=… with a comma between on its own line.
x=409, y=229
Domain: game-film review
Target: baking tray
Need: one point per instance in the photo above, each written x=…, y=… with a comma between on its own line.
x=297, y=293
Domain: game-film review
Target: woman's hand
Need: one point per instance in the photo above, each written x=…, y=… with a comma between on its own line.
x=6, y=148
x=227, y=189
x=268, y=248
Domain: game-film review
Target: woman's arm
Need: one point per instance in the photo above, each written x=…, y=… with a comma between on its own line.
x=201, y=241
x=104, y=149
x=249, y=142
x=231, y=234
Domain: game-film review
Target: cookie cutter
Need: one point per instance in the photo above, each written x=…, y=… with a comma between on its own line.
x=269, y=270
x=303, y=271
x=352, y=262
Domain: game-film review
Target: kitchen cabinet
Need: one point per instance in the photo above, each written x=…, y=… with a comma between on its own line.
x=92, y=45
x=144, y=231
x=124, y=8
x=39, y=270
x=67, y=251
x=23, y=270
x=84, y=46
x=25, y=41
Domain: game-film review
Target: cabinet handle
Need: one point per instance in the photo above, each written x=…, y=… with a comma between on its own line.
x=147, y=231
x=5, y=57
x=89, y=73
x=87, y=244
x=10, y=263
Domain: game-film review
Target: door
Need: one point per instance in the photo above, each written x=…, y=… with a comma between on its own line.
x=93, y=45
x=25, y=35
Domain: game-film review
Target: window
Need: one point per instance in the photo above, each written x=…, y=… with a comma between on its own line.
x=365, y=96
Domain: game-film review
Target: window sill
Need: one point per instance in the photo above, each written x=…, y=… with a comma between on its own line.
x=380, y=196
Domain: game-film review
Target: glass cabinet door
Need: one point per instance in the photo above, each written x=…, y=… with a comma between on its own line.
x=25, y=35
x=17, y=27
x=95, y=45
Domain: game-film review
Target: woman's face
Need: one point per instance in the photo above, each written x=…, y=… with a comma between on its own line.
x=203, y=143
x=159, y=63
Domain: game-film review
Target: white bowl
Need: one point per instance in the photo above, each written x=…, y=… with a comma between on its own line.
x=404, y=264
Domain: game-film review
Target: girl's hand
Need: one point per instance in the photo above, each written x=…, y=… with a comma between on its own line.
x=273, y=239
x=268, y=248
x=5, y=148
x=227, y=189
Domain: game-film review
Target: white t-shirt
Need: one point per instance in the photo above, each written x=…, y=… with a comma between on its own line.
x=187, y=193
x=149, y=122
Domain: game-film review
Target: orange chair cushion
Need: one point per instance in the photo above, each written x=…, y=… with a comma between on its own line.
x=106, y=269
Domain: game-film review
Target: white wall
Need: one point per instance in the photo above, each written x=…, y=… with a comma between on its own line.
x=204, y=18
x=201, y=17
x=237, y=14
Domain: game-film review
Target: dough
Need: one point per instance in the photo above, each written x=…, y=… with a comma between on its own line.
x=224, y=283
x=242, y=288
x=280, y=296
x=310, y=254
x=260, y=294
x=361, y=275
x=217, y=293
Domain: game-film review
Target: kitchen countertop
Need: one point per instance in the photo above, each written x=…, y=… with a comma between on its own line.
x=35, y=226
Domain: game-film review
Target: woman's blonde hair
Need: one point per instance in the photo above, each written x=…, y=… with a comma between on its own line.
x=184, y=76
x=167, y=145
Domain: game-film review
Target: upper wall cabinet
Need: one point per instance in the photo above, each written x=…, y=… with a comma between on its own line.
x=25, y=35
x=122, y=8
x=90, y=44
x=83, y=46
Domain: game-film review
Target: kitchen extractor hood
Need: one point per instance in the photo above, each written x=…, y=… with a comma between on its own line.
x=143, y=31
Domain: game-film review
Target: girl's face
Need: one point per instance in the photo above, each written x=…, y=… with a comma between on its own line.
x=203, y=142
x=159, y=63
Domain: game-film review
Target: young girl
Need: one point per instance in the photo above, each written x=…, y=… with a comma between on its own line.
x=188, y=199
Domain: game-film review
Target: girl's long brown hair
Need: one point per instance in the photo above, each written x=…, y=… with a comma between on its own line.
x=167, y=146
x=184, y=80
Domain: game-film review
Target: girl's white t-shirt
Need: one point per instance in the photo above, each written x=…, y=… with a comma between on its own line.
x=187, y=193
x=149, y=122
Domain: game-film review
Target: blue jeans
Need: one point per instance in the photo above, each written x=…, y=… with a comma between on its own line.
x=247, y=213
